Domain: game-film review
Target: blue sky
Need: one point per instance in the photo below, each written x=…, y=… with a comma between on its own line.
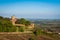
x=43, y=9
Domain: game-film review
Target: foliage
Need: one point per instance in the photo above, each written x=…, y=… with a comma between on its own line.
x=0, y=28
x=6, y=25
x=21, y=29
x=37, y=31
x=27, y=23
x=31, y=38
x=1, y=17
x=23, y=21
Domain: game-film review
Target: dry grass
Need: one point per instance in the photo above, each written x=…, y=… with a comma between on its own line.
x=23, y=37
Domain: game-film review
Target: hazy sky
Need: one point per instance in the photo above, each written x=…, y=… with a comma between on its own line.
x=45, y=9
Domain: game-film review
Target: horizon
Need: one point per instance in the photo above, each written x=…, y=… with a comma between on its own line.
x=30, y=18
x=33, y=9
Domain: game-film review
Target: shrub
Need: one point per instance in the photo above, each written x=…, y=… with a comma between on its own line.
x=37, y=31
x=31, y=38
x=21, y=29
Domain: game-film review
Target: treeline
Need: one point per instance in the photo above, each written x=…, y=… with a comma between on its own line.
x=23, y=21
x=6, y=24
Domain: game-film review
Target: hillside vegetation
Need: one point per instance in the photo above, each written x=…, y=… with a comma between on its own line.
x=37, y=33
x=6, y=24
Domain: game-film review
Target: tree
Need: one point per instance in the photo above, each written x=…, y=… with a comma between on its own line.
x=22, y=21
x=7, y=19
x=21, y=29
x=31, y=38
x=0, y=27
x=27, y=23
x=37, y=31
x=1, y=17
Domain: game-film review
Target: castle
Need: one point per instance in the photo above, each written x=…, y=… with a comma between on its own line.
x=13, y=20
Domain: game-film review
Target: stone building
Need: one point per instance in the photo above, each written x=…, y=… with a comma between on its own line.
x=13, y=20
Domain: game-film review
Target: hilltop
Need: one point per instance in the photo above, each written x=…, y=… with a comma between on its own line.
x=6, y=28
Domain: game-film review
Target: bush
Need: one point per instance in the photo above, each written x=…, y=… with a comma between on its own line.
x=37, y=32
x=21, y=29
x=31, y=38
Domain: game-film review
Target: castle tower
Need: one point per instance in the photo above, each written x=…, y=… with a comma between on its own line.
x=32, y=24
x=13, y=20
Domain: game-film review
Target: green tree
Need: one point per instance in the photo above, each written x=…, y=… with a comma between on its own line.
x=6, y=25
x=7, y=19
x=0, y=27
x=1, y=17
x=22, y=21
x=31, y=38
x=21, y=29
x=27, y=23
x=37, y=31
